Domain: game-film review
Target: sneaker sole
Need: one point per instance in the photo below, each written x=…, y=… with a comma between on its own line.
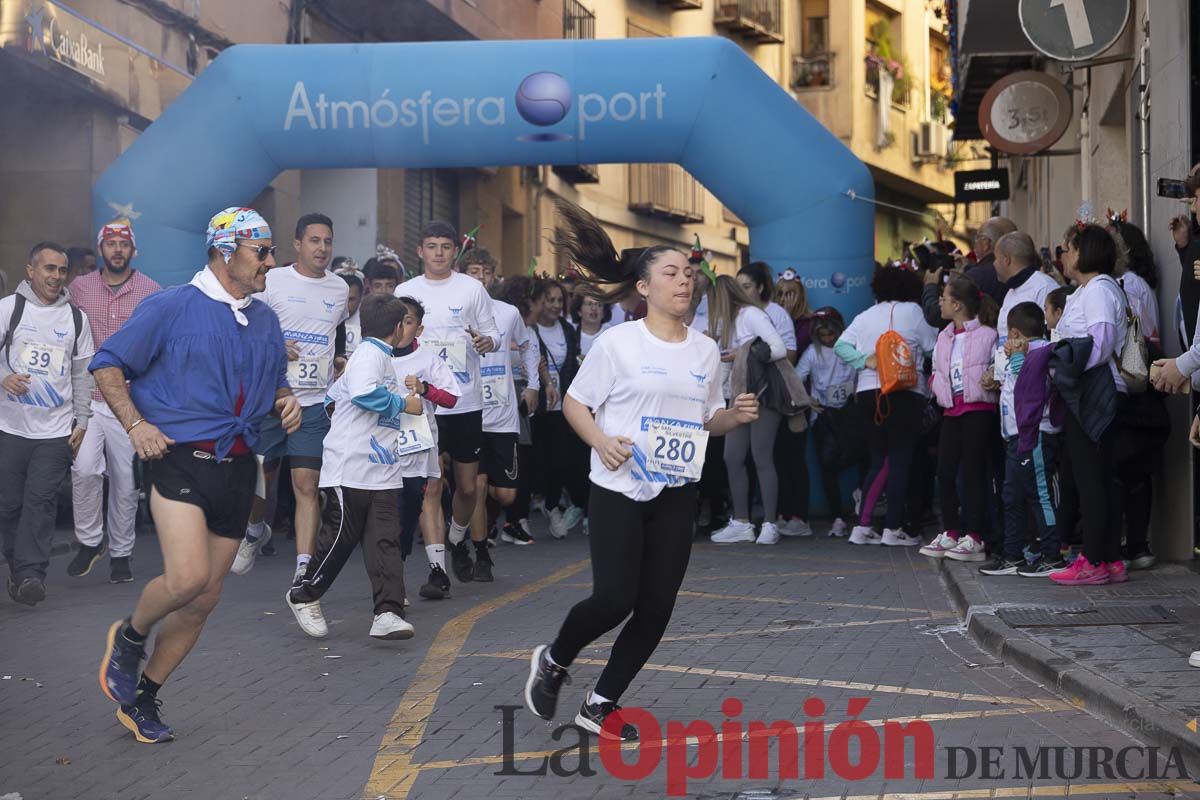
x=121, y=580
x=900, y=544
x=1088, y=582
x=1194, y=661
x=432, y=591
x=767, y=543
x=591, y=727
x=925, y=551
x=287, y=599
x=867, y=542
x=972, y=557
x=533, y=668
x=108, y=651
x=997, y=573
x=393, y=636
x=91, y=564
x=128, y=722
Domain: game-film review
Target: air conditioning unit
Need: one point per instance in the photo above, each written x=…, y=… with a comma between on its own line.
x=931, y=140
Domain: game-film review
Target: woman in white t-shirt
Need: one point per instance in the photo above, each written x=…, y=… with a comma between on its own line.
x=591, y=318
x=1137, y=274
x=644, y=400
x=1095, y=310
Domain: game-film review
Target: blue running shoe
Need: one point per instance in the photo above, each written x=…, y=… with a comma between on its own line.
x=119, y=668
x=143, y=720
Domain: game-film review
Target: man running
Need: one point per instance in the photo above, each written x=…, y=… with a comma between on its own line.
x=108, y=296
x=312, y=306
x=460, y=327
x=498, y=464
x=43, y=413
x=206, y=364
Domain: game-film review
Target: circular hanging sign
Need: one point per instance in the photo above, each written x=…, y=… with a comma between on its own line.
x=1025, y=112
x=1073, y=30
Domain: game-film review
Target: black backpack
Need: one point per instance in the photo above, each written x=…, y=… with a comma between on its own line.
x=15, y=320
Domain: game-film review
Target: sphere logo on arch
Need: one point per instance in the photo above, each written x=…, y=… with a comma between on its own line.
x=545, y=99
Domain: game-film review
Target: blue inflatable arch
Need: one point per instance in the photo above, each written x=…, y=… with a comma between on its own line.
x=701, y=103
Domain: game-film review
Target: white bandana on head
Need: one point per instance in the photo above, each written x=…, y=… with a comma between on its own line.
x=206, y=281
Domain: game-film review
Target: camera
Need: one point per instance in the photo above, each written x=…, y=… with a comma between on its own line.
x=1173, y=188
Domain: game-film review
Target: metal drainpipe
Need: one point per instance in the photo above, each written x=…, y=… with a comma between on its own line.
x=1085, y=146
x=1144, y=123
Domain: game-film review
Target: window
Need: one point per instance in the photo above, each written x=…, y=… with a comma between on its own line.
x=814, y=31
x=939, y=78
x=883, y=53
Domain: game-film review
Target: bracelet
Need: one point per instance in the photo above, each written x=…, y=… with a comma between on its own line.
x=136, y=422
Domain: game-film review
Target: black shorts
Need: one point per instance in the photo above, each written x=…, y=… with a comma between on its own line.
x=498, y=459
x=461, y=435
x=223, y=490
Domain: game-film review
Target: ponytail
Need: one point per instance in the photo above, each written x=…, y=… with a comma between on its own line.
x=606, y=274
x=977, y=304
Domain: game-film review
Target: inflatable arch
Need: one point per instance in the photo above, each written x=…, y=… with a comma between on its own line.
x=702, y=103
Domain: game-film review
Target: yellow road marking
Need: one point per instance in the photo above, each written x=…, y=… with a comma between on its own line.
x=778, y=600
x=881, y=688
x=1070, y=790
x=393, y=773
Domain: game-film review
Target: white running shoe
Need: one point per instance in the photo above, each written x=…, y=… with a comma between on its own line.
x=299, y=573
x=769, y=534
x=248, y=551
x=968, y=549
x=838, y=528
x=734, y=533
x=942, y=543
x=571, y=516
x=558, y=526
x=898, y=538
x=864, y=534
x=390, y=626
x=1194, y=659
x=795, y=527
x=309, y=616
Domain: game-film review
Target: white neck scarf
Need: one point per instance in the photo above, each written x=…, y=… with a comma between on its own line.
x=206, y=281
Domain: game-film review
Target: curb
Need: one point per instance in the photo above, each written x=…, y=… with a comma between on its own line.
x=1078, y=685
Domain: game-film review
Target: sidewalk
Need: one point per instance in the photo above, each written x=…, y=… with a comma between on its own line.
x=1134, y=675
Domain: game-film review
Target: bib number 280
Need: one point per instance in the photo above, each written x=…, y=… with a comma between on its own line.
x=676, y=450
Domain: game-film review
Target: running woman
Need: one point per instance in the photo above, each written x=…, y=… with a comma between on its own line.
x=460, y=327
x=312, y=305
x=499, y=468
x=213, y=337
x=654, y=388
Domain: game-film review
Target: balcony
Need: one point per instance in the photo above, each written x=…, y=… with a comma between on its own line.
x=813, y=71
x=666, y=191
x=757, y=20
x=577, y=173
x=578, y=22
x=681, y=4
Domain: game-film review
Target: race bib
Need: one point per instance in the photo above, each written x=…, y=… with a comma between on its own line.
x=453, y=352
x=838, y=396
x=45, y=360
x=1000, y=364
x=353, y=335
x=675, y=448
x=414, y=434
x=494, y=386
x=308, y=372
x=956, y=377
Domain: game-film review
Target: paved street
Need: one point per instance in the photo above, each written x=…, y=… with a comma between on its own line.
x=262, y=712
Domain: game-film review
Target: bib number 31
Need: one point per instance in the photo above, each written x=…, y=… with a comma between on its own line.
x=675, y=450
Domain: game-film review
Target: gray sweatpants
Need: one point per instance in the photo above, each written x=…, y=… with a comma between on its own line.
x=31, y=474
x=758, y=439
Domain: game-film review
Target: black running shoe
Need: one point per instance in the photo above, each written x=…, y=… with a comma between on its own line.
x=118, y=570
x=591, y=718
x=142, y=718
x=1003, y=566
x=119, y=669
x=544, y=683
x=85, y=558
x=28, y=592
x=515, y=534
x=460, y=562
x=483, y=567
x=1043, y=568
x=267, y=549
x=438, y=585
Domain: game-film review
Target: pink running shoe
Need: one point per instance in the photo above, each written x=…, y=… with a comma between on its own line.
x=1116, y=572
x=1082, y=573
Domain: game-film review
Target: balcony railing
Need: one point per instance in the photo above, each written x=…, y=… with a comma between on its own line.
x=665, y=190
x=759, y=20
x=813, y=71
x=577, y=173
x=682, y=3
x=578, y=22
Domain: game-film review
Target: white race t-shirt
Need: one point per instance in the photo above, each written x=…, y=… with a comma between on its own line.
x=1035, y=289
x=1143, y=302
x=451, y=306
x=556, y=353
x=907, y=319
x=832, y=378
x=1099, y=300
x=783, y=324
x=495, y=370
x=632, y=379
x=360, y=450
x=353, y=334
x=41, y=348
x=586, y=339
x=309, y=311
x=425, y=364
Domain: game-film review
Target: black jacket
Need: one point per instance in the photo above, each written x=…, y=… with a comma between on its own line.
x=1090, y=394
x=570, y=365
x=985, y=277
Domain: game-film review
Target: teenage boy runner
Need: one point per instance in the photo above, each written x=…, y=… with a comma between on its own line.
x=206, y=364
x=374, y=418
x=460, y=327
x=312, y=306
x=498, y=464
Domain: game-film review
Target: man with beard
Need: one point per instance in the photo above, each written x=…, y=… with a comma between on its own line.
x=108, y=296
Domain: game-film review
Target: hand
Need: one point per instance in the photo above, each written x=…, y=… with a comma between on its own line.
x=149, y=442
x=728, y=356
x=339, y=366
x=293, y=350
x=1170, y=379
x=745, y=408
x=1181, y=231
x=413, y=405
x=988, y=381
x=288, y=409
x=482, y=344
x=552, y=396
x=1196, y=270
x=613, y=451
x=934, y=276
x=1194, y=433
x=960, y=261
x=414, y=384
x=872, y=362
x=17, y=384
x=76, y=439
x=1014, y=345
x=530, y=396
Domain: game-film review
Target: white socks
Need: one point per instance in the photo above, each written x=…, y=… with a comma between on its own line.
x=302, y=560
x=457, y=532
x=436, y=553
x=595, y=699
x=255, y=530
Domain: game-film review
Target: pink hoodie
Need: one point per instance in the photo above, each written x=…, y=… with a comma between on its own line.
x=978, y=347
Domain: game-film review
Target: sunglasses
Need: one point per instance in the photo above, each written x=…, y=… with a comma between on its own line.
x=261, y=250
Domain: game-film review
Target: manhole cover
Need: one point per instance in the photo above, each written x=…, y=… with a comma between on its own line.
x=1091, y=615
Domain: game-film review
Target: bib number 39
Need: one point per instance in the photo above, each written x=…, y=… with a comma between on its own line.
x=676, y=451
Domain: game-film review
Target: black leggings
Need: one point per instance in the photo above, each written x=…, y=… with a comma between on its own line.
x=1093, y=465
x=791, y=464
x=563, y=458
x=894, y=441
x=640, y=553
x=412, y=497
x=965, y=442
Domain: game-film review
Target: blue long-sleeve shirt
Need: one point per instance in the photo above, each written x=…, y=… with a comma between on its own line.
x=187, y=360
